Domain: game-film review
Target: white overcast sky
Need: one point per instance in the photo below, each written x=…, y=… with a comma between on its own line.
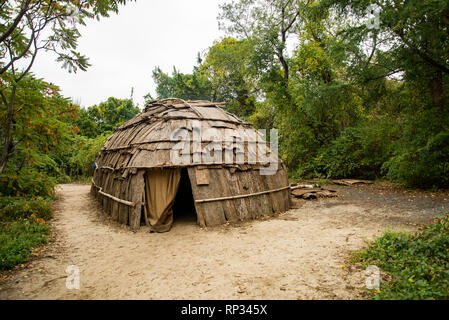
x=124, y=49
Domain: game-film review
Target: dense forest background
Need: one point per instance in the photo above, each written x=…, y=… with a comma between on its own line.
x=362, y=94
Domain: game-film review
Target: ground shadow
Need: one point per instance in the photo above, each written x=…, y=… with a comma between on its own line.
x=184, y=207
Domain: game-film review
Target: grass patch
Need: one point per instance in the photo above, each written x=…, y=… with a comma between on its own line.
x=17, y=238
x=418, y=263
x=22, y=227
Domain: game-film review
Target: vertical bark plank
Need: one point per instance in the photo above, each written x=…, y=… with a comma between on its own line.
x=262, y=201
x=123, y=209
x=209, y=213
x=124, y=212
x=241, y=188
x=227, y=190
x=116, y=205
x=270, y=185
x=137, y=189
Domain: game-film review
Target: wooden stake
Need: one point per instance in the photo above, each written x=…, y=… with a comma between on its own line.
x=242, y=195
x=128, y=203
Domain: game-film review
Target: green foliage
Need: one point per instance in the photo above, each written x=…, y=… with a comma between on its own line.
x=350, y=101
x=105, y=117
x=418, y=263
x=193, y=86
x=56, y=140
x=27, y=182
x=44, y=124
x=22, y=22
x=16, y=208
x=233, y=79
x=17, y=240
x=360, y=151
x=24, y=98
x=426, y=167
x=39, y=127
x=225, y=75
x=85, y=152
x=263, y=116
x=86, y=123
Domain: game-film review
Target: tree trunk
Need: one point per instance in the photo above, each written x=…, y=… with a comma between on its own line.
x=282, y=60
x=284, y=66
x=436, y=88
x=8, y=145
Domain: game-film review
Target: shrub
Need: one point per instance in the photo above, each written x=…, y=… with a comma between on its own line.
x=85, y=154
x=27, y=182
x=22, y=227
x=426, y=167
x=13, y=208
x=418, y=263
x=17, y=240
x=63, y=179
x=359, y=152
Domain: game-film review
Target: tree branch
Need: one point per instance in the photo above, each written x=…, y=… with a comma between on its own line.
x=21, y=55
x=423, y=55
x=16, y=22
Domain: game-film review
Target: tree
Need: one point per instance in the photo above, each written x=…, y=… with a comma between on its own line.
x=233, y=79
x=195, y=86
x=106, y=116
x=269, y=22
x=86, y=124
x=23, y=24
x=225, y=75
x=43, y=124
x=412, y=38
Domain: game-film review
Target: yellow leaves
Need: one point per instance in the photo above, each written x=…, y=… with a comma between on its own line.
x=310, y=61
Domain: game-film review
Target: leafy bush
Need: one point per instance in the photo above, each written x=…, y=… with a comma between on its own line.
x=17, y=240
x=63, y=179
x=27, y=182
x=13, y=208
x=359, y=152
x=418, y=263
x=85, y=153
x=426, y=167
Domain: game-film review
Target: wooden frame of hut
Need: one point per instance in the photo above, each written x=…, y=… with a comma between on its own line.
x=138, y=182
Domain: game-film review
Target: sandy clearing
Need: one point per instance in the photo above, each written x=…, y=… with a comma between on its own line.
x=297, y=255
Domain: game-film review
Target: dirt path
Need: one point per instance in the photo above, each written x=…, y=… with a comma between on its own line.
x=297, y=255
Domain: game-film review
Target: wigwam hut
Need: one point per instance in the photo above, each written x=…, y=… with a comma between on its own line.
x=188, y=155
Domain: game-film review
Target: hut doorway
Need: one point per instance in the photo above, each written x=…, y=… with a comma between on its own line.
x=168, y=198
x=161, y=186
x=184, y=206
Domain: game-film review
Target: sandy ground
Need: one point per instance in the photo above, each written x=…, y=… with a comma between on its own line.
x=301, y=254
